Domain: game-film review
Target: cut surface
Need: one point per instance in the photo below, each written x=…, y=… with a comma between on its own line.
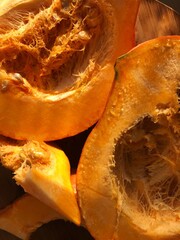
x=132, y=156
x=44, y=172
x=55, y=62
x=25, y=215
x=43, y=51
x=147, y=157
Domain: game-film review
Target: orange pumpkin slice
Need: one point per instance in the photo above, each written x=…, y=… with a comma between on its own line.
x=25, y=215
x=128, y=179
x=44, y=172
x=57, y=67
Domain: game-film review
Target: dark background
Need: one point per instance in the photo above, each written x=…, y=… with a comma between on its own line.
x=173, y=3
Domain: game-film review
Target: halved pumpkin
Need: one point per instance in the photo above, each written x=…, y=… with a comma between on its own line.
x=128, y=179
x=57, y=67
x=44, y=172
x=25, y=215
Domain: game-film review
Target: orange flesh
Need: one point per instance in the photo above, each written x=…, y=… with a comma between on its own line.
x=130, y=161
x=54, y=55
x=57, y=66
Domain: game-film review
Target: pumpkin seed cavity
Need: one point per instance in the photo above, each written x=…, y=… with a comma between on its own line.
x=56, y=48
x=147, y=160
x=23, y=154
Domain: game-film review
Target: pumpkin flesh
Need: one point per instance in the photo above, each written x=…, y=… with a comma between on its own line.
x=132, y=154
x=25, y=215
x=44, y=172
x=57, y=61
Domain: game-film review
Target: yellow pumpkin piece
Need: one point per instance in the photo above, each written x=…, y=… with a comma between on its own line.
x=57, y=67
x=25, y=215
x=44, y=172
x=128, y=178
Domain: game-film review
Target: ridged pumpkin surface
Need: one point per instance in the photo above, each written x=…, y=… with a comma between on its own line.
x=57, y=64
x=128, y=179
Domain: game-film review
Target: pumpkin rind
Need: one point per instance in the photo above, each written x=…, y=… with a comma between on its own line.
x=144, y=98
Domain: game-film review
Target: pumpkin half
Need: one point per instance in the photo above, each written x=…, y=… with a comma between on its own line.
x=128, y=179
x=44, y=172
x=57, y=64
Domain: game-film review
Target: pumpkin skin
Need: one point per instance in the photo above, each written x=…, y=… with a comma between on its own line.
x=44, y=172
x=57, y=68
x=128, y=178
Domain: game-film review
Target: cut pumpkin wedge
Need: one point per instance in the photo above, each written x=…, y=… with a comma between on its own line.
x=25, y=215
x=57, y=67
x=128, y=179
x=44, y=172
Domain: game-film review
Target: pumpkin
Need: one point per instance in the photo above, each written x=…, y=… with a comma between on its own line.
x=25, y=215
x=44, y=172
x=128, y=178
x=57, y=64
